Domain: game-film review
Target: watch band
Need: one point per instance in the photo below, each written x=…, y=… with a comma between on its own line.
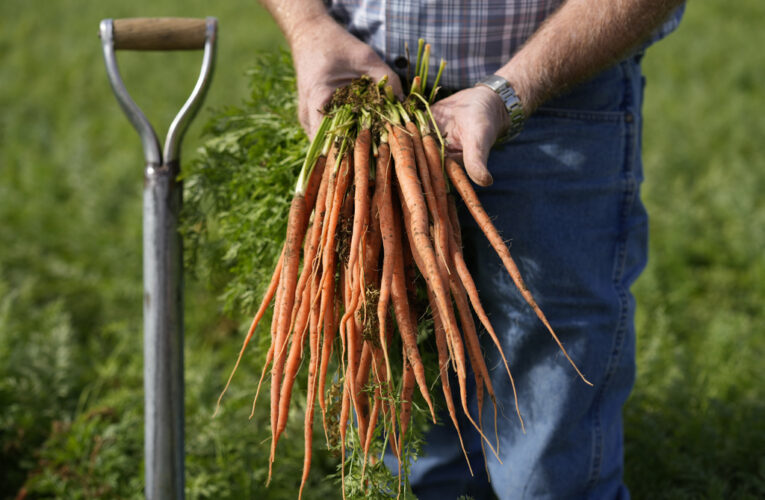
x=502, y=88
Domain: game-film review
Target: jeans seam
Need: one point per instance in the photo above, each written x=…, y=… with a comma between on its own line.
x=627, y=199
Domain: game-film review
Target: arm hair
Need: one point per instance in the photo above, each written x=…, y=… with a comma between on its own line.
x=579, y=39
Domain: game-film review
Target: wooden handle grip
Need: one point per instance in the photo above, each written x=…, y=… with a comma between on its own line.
x=159, y=33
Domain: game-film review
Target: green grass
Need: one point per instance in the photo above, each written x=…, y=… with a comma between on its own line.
x=694, y=425
x=70, y=286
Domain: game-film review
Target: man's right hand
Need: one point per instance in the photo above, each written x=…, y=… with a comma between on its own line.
x=326, y=57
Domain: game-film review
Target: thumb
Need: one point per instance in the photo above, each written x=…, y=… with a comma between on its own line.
x=395, y=82
x=314, y=120
x=312, y=114
x=475, y=155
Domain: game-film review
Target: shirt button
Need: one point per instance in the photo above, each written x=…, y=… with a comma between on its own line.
x=400, y=62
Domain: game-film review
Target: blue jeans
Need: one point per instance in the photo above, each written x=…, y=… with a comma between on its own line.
x=566, y=194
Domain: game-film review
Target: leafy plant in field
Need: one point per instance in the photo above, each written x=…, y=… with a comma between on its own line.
x=238, y=190
x=38, y=378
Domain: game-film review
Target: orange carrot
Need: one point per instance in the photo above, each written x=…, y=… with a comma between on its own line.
x=296, y=224
x=267, y=297
x=477, y=364
x=328, y=278
x=350, y=334
x=437, y=215
x=344, y=416
x=362, y=376
x=329, y=198
x=313, y=241
x=407, y=391
x=293, y=361
x=361, y=196
x=271, y=349
x=467, y=285
x=435, y=169
x=451, y=206
x=406, y=326
x=315, y=191
x=454, y=342
x=467, y=281
x=313, y=369
x=326, y=316
x=462, y=184
x=412, y=199
x=385, y=213
x=314, y=183
x=443, y=366
x=473, y=346
x=372, y=244
x=479, y=403
x=352, y=337
x=336, y=204
x=369, y=434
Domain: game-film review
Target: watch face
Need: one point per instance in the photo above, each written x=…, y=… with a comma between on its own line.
x=494, y=82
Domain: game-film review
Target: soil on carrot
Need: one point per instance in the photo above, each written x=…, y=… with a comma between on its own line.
x=371, y=325
x=334, y=403
x=343, y=237
x=361, y=93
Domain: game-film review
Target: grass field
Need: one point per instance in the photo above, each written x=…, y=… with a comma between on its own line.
x=70, y=286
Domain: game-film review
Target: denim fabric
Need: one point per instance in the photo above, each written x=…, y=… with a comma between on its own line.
x=566, y=194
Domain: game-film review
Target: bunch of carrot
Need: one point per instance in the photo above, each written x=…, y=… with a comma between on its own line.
x=373, y=208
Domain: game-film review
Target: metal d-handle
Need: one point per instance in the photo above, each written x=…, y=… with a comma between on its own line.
x=149, y=140
x=162, y=246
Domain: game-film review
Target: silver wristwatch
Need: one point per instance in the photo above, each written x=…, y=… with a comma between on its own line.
x=512, y=103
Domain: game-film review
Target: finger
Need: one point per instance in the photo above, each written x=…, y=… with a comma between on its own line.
x=443, y=113
x=314, y=110
x=378, y=72
x=395, y=82
x=315, y=117
x=475, y=155
x=303, y=118
x=440, y=115
x=309, y=117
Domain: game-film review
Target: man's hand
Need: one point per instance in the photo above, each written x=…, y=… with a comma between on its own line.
x=472, y=120
x=326, y=57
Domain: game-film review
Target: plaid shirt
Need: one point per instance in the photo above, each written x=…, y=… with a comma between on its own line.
x=475, y=38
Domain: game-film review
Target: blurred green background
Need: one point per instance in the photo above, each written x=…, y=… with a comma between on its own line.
x=70, y=261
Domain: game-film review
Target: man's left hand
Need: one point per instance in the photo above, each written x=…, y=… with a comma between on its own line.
x=472, y=120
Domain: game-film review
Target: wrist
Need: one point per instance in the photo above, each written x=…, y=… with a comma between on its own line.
x=498, y=112
x=519, y=80
x=306, y=27
x=510, y=109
